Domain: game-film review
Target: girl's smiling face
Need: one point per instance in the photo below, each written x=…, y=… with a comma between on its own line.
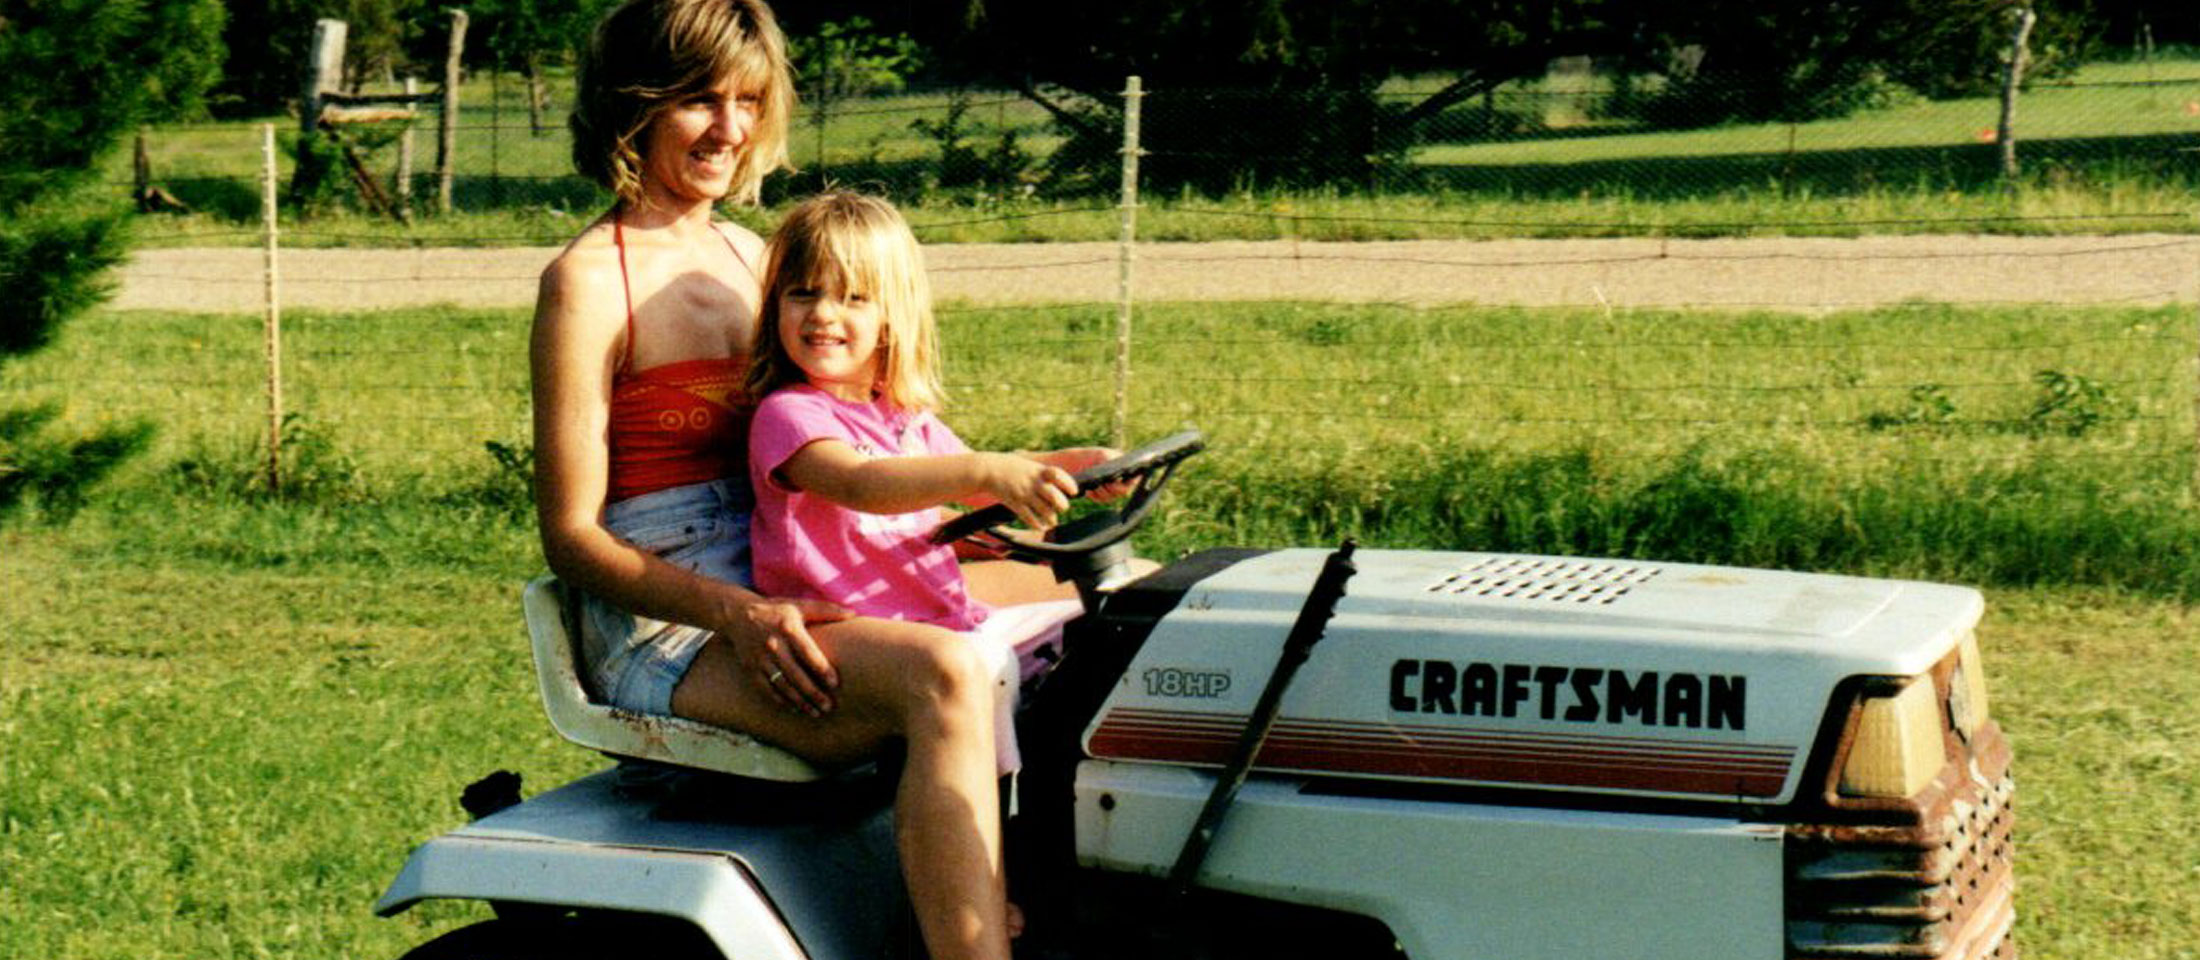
x=832, y=333
x=692, y=148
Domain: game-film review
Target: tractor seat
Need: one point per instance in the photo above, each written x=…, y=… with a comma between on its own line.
x=579, y=717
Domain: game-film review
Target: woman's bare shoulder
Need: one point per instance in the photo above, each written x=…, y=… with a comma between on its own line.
x=583, y=284
x=593, y=251
x=589, y=265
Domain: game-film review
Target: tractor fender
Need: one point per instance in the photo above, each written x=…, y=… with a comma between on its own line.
x=715, y=892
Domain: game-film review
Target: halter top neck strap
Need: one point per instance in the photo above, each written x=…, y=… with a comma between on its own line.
x=626, y=282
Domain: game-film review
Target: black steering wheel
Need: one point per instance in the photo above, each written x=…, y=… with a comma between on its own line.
x=1150, y=465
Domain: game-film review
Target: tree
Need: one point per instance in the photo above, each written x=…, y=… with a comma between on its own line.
x=846, y=58
x=81, y=73
x=269, y=41
x=1287, y=90
x=528, y=36
x=1268, y=90
x=1808, y=59
x=2140, y=24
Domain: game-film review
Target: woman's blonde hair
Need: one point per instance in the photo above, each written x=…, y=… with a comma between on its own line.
x=647, y=55
x=855, y=244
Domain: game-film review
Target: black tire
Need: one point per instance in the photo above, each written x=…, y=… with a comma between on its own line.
x=571, y=937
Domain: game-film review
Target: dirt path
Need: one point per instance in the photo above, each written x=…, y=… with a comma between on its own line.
x=1798, y=274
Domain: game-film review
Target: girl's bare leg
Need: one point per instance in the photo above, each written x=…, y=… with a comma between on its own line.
x=1005, y=582
x=930, y=688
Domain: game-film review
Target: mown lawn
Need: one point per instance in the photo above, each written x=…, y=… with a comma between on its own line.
x=225, y=717
x=225, y=724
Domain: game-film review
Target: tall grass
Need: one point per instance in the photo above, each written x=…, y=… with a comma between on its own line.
x=2012, y=445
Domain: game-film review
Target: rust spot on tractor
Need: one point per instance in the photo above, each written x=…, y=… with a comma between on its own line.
x=1927, y=877
x=650, y=726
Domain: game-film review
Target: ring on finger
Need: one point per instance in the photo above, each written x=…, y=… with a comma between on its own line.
x=776, y=676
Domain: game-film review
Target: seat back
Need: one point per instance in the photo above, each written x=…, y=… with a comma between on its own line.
x=579, y=717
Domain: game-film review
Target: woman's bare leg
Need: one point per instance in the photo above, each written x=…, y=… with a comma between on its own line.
x=929, y=687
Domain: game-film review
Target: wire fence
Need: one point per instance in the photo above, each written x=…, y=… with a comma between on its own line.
x=1579, y=139
x=1500, y=350
x=1949, y=355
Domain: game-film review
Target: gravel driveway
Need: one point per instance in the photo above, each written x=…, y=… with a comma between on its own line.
x=1797, y=274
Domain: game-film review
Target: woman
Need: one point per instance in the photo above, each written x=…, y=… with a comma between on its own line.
x=641, y=336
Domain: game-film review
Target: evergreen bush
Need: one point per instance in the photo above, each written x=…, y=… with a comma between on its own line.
x=80, y=74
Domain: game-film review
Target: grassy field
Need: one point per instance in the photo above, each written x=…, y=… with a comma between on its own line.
x=2110, y=148
x=2016, y=445
x=225, y=716
x=226, y=723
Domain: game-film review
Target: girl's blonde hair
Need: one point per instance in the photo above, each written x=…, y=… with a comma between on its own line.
x=859, y=245
x=648, y=55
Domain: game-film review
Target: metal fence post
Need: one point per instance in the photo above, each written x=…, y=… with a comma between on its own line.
x=1133, y=93
x=274, y=323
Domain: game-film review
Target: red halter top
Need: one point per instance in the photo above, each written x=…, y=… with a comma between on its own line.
x=675, y=423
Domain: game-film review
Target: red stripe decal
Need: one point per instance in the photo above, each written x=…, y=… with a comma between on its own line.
x=1423, y=752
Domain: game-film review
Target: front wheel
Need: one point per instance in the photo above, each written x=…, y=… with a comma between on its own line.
x=575, y=936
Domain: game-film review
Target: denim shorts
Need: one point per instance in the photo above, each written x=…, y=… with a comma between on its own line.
x=633, y=662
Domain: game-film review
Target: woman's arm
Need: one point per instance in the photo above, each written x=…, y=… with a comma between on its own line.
x=573, y=351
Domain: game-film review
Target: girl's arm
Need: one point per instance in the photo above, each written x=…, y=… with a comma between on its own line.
x=1035, y=490
x=572, y=353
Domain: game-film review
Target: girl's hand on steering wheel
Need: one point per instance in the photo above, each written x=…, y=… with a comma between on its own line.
x=1076, y=459
x=1034, y=490
x=772, y=641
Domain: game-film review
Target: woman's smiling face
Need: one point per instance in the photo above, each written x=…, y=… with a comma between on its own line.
x=693, y=147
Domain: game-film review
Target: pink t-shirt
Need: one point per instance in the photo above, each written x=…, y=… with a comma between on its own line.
x=808, y=547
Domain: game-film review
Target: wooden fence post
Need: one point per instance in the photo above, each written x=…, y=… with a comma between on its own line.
x=324, y=72
x=2020, y=50
x=447, y=142
x=141, y=165
x=1133, y=93
x=402, y=185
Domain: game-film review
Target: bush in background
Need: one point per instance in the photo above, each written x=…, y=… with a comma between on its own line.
x=80, y=73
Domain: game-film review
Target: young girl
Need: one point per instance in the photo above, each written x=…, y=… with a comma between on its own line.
x=850, y=465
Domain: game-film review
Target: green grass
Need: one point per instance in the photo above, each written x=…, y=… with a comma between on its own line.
x=2110, y=149
x=2012, y=445
x=226, y=722
x=225, y=717
x=225, y=725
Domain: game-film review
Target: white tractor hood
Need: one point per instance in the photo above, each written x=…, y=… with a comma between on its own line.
x=1657, y=679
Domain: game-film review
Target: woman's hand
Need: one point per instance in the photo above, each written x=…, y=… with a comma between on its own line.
x=771, y=639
